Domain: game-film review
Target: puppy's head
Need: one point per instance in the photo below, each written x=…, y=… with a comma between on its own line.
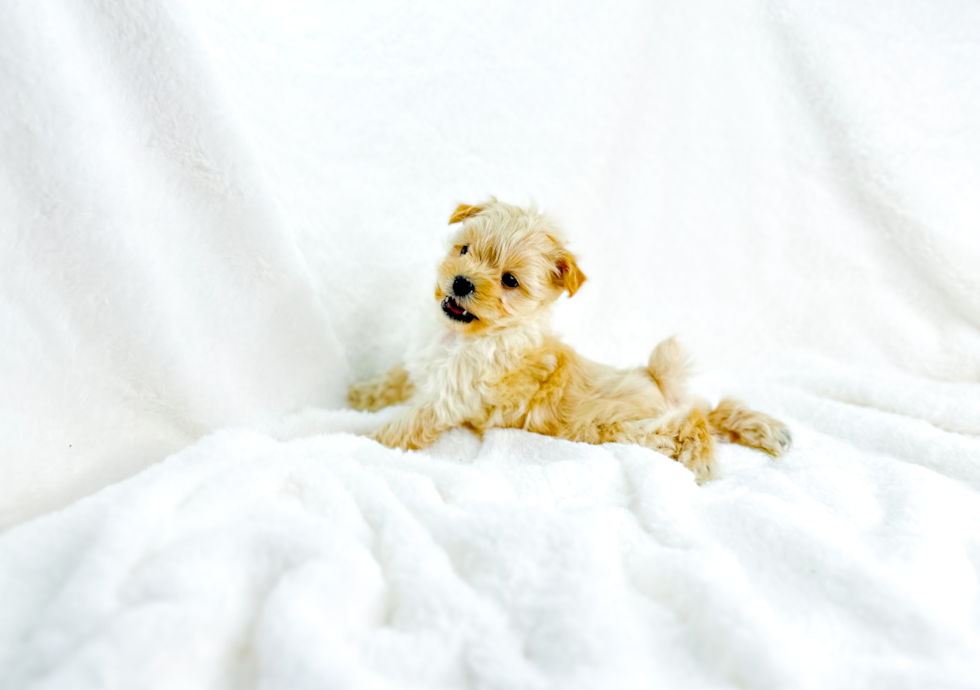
x=505, y=266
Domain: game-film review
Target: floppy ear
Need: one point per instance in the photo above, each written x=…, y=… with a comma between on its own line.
x=569, y=276
x=463, y=212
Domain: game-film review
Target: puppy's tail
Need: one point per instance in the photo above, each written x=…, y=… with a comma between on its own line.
x=669, y=368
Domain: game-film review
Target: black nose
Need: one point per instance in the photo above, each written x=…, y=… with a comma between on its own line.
x=462, y=287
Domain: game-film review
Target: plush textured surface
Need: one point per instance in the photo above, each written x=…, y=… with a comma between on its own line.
x=521, y=562
x=211, y=207
x=150, y=289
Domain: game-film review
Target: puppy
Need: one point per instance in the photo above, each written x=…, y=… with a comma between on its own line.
x=497, y=364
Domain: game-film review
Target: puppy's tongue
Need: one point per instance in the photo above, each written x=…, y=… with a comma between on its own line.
x=454, y=307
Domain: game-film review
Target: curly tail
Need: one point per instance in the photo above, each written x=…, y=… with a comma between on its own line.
x=669, y=367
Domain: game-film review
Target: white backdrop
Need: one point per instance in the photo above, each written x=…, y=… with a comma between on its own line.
x=214, y=213
x=758, y=177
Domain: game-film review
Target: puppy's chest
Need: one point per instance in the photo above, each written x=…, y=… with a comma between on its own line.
x=452, y=370
x=466, y=376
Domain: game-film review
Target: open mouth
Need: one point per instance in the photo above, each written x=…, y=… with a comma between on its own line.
x=455, y=311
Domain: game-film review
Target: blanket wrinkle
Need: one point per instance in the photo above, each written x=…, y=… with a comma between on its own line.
x=950, y=406
x=952, y=455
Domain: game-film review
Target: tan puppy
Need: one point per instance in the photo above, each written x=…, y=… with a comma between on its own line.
x=496, y=363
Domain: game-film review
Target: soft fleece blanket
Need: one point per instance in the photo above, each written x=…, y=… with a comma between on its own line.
x=519, y=562
x=215, y=214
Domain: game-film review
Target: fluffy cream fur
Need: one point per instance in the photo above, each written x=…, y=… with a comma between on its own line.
x=495, y=362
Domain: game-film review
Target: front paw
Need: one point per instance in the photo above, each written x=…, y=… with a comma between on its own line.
x=393, y=438
x=364, y=396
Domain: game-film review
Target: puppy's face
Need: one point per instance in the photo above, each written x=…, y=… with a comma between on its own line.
x=505, y=265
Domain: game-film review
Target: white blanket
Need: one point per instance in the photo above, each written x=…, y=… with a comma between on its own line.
x=519, y=562
x=207, y=209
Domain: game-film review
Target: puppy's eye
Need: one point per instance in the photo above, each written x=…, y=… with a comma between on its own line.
x=509, y=280
x=465, y=249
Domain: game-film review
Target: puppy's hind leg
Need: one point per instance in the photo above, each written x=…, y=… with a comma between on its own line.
x=392, y=388
x=695, y=444
x=736, y=423
x=416, y=428
x=685, y=437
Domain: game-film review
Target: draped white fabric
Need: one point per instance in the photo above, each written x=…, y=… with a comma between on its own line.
x=207, y=209
x=151, y=288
